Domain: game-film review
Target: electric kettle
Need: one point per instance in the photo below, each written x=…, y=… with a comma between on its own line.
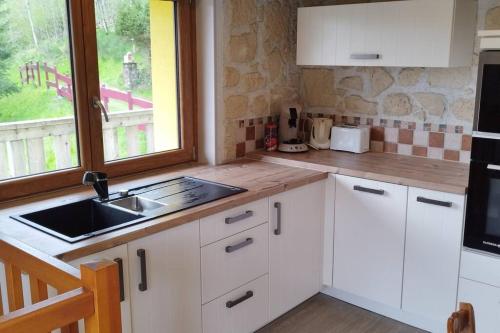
x=320, y=133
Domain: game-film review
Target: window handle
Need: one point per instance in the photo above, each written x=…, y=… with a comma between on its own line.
x=97, y=104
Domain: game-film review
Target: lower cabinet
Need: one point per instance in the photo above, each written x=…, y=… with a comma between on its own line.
x=295, y=246
x=369, y=239
x=486, y=301
x=120, y=255
x=244, y=309
x=165, y=281
x=432, y=255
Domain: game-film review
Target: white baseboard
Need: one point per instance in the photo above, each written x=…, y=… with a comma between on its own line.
x=387, y=311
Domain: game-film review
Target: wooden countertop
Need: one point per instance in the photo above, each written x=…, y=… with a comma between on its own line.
x=260, y=178
x=392, y=168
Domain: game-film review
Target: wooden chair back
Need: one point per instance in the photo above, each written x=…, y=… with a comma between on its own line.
x=462, y=321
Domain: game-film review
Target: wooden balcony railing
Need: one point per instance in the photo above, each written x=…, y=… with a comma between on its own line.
x=25, y=146
x=93, y=297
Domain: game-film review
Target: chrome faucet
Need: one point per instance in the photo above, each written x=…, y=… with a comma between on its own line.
x=99, y=180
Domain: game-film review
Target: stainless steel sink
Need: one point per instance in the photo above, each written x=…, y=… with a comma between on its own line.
x=137, y=204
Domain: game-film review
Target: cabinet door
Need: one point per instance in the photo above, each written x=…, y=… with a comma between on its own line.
x=310, y=36
x=369, y=236
x=432, y=257
x=424, y=33
x=317, y=36
x=168, y=299
x=295, y=246
x=486, y=302
x=118, y=254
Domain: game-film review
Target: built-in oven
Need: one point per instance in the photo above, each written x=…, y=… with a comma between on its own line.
x=487, y=110
x=482, y=223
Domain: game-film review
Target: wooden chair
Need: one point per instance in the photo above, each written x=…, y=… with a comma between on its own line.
x=462, y=321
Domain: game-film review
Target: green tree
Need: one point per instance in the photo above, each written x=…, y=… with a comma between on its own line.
x=133, y=21
x=6, y=86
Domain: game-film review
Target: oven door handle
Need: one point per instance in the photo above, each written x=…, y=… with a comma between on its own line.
x=493, y=167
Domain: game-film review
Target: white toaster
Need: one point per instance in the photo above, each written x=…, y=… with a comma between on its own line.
x=354, y=139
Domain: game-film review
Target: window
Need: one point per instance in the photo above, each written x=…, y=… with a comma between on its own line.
x=106, y=85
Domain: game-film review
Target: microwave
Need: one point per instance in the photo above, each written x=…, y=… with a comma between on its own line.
x=487, y=108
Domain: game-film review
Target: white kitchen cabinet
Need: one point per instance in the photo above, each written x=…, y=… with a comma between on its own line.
x=432, y=255
x=486, y=302
x=412, y=33
x=295, y=246
x=118, y=254
x=369, y=239
x=165, y=281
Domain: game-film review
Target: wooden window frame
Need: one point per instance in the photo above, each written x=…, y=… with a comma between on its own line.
x=88, y=120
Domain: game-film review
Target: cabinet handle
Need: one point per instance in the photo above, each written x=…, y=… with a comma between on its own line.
x=119, y=261
x=365, y=56
x=368, y=190
x=232, y=248
x=230, y=304
x=143, y=285
x=435, y=202
x=277, y=231
x=245, y=215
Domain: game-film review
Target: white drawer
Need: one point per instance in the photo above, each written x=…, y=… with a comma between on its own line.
x=233, y=221
x=245, y=317
x=233, y=261
x=480, y=267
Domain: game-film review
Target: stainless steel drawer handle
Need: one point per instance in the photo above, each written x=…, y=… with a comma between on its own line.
x=232, y=248
x=119, y=261
x=368, y=190
x=230, y=304
x=365, y=56
x=143, y=284
x=245, y=215
x=493, y=167
x=277, y=231
x=435, y=202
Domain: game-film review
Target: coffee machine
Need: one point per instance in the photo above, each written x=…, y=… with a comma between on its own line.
x=289, y=130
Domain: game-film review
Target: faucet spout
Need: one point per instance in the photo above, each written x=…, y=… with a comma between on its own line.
x=99, y=180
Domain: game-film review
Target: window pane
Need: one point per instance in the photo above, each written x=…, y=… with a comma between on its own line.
x=37, y=114
x=137, y=57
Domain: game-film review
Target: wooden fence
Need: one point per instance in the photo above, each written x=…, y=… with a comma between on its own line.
x=63, y=84
x=26, y=145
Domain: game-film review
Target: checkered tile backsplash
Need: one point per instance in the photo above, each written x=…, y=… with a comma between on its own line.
x=436, y=141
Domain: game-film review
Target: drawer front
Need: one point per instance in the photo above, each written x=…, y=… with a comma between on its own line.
x=481, y=267
x=233, y=221
x=233, y=261
x=243, y=310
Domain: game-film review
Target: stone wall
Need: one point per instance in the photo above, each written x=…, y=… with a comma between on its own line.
x=259, y=67
x=260, y=73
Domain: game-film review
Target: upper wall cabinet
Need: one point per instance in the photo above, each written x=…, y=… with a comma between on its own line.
x=412, y=33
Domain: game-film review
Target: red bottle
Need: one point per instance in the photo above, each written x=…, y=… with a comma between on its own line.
x=271, y=136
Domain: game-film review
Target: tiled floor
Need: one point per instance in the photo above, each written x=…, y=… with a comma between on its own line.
x=324, y=314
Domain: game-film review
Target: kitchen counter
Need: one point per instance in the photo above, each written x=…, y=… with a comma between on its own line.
x=260, y=178
x=425, y=173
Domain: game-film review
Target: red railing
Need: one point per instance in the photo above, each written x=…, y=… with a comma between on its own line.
x=63, y=84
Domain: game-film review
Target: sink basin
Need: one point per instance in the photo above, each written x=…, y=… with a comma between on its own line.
x=137, y=204
x=79, y=220
x=84, y=219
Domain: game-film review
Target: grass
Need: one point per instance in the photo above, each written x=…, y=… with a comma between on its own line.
x=33, y=103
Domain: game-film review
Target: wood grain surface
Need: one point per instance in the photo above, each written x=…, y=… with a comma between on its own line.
x=425, y=173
